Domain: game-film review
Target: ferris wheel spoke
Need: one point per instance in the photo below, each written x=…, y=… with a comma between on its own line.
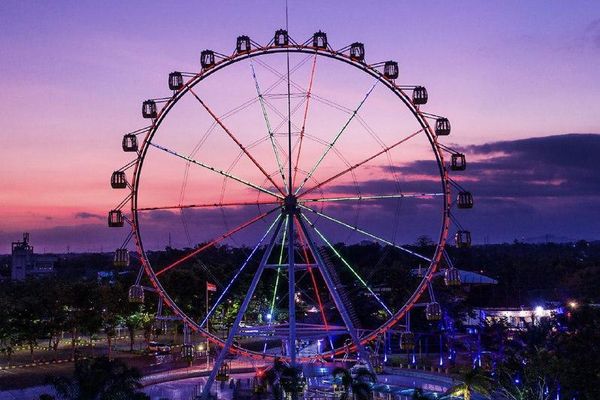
x=366, y=160
x=283, y=117
x=347, y=264
x=281, y=77
x=277, y=221
x=300, y=88
x=239, y=144
x=208, y=205
x=218, y=171
x=268, y=124
x=374, y=197
x=279, y=268
x=304, y=246
x=215, y=241
x=308, y=95
x=335, y=139
x=368, y=234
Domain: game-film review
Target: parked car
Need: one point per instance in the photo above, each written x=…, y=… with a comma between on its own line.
x=158, y=348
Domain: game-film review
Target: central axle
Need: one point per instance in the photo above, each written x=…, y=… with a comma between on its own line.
x=290, y=204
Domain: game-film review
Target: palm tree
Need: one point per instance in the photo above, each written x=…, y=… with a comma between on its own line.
x=292, y=380
x=100, y=379
x=419, y=395
x=362, y=384
x=342, y=375
x=273, y=376
x=473, y=380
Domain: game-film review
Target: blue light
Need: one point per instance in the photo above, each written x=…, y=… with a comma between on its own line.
x=238, y=272
x=269, y=316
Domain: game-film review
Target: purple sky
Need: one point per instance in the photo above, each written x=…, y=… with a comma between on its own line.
x=514, y=77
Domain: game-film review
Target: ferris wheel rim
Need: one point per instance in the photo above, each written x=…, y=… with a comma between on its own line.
x=301, y=49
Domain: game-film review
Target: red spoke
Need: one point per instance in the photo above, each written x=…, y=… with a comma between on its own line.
x=240, y=145
x=310, y=271
x=208, y=205
x=360, y=163
x=215, y=241
x=308, y=93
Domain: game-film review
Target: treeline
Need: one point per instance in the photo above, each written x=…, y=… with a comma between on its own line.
x=47, y=309
x=555, y=358
x=530, y=274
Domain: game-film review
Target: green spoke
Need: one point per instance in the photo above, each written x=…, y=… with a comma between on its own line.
x=278, y=268
x=356, y=229
x=376, y=197
x=218, y=171
x=361, y=280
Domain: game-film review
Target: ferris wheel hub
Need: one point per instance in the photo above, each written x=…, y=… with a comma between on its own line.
x=290, y=204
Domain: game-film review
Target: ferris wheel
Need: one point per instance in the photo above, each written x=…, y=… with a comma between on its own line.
x=276, y=154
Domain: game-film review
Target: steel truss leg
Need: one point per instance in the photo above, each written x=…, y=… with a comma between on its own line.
x=225, y=350
x=336, y=298
x=292, y=294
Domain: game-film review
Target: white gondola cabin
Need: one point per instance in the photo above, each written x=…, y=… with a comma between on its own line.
x=207, y=59
x=130, y=143
x=458, y=162
x=452, y=277
x=281, y=38
x=464, y=200
x=175, y=80
x=462, y=239
x=442, y=126
x=115, y=219
x=357, y=51
x=320, y=40
x=433, y=311
x=136, y=294
x=242, y=45
x=121, y=258
x=419, y=95
x=390, y=69
x=118, y=180
x=149, y=109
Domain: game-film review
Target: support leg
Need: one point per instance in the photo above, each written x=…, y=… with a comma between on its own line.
x=336, y=298
x=292, y=295
x=225, y=350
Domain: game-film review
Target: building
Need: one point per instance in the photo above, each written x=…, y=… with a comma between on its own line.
x=515, y=318
x=25, y=263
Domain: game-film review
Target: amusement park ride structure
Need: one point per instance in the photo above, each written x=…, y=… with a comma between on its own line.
x=290, y=212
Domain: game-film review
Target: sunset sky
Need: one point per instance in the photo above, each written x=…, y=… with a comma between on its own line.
x=520, y=82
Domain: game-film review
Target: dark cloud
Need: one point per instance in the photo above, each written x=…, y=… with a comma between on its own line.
x=522, y=188
x=87, y=215
x=554, y=166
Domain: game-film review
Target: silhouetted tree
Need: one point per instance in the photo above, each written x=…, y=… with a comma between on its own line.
x=100, y=379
